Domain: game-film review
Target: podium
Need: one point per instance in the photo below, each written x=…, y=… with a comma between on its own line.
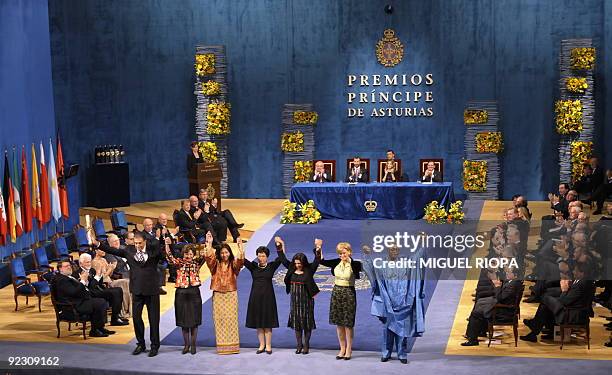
x=206, y=176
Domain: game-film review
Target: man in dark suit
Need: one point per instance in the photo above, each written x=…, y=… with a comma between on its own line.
x=150, y=235
x=97, y=288
x=188, y=222
x=320, y=174
x=142, y=257
x=68, y=289
x=505, y=293
x=356, y=173
x=225, y=217
x=431, y=175
x=576, y=295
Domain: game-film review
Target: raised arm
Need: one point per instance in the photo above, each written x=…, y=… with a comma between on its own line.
x=107, y=249
x=239, y=260
x=280, y=247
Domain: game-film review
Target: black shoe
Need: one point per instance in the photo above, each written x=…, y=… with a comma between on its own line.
x=470, y=343
x=339, y=357
x=259, y=351
x=298, y=350
x=117, y=322
x=268, y=351
x=347, y=358
x=139, y=349
x=305, y=350
x=97, y=333
x=185, y=349
x=108, y=332
x=193, y=349
x=239, y=225
x=531, y=337
x=404, y=361
x=153, y=352
x=384, y=359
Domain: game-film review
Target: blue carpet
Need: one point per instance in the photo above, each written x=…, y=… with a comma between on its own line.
x=299, y=238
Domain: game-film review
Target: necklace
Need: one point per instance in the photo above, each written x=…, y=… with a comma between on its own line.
x=264, y=266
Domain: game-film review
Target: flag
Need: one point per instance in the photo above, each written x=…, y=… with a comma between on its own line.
x=63, y=190
x=15, y=179
x=3, y=229
x=36, y=207
x=7, y=192
x=26, y=207
x=56, y=210
x=45, y=202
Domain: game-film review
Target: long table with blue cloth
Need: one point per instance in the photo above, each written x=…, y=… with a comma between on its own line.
x=361, y=201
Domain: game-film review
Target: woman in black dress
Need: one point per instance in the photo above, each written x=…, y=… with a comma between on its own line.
x=261, y=312
x=343, y=305
x=187, y=300
x=302, y=288
x=194, y=156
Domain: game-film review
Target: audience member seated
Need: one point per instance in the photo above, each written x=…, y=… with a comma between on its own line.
x=356, y=172
x=216, y=225
x=602, y=192
x=108, y=268
x=69, y=289
x=224, y=216
x=391, y=172
x=189, y=224
x=122, y=270
x=97, y=288
x=431, y=175
x=505, y=292
x=320, y=174
x=561, y=202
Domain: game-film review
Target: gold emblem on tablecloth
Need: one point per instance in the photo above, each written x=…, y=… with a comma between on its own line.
x=370, y=206
x=211, y=191
x=389, y=50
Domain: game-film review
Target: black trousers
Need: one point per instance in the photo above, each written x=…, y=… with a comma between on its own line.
x=152, y=303
x=477, y=325
x=232, y=224
x=96, y=308
x=114, y=297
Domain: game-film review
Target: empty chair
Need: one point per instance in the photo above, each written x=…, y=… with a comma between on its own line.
x=61, y=249
x=41, y=263
x=98, y=227
x=119, y=222
x=82, y=241
x=23, y=286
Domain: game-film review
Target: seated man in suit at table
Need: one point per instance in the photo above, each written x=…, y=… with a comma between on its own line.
x=431, y=175
x=320, y=174
x=356, y=173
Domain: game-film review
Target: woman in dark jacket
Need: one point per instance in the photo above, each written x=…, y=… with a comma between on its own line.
x=194, y=156
x=301, y=287
x=343, y=299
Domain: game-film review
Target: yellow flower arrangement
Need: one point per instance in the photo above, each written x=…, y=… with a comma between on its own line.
x=455, y=213
x=475, y=175
x=205, y=64
x=309, y=213
x=489, y=142
x=218, y=118
x=475, y=116
x=288, y=215
x=292, y=142
x=302, y=170
x=580, y=153
x=435, y=213
x=211, y=88
x=582, y=58
x=569, y=116
x=576, y=85
x=209, y=151
x=305, y=118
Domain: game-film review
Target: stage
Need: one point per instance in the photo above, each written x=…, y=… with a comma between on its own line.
x=28, y=332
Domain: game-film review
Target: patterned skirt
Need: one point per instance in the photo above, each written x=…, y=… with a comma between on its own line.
x=301, y=316
x=225, y=316
x=343, y=306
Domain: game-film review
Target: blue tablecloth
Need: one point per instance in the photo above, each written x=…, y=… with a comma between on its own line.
x=396, y=201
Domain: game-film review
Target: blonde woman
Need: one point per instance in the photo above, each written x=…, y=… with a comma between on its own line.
x=224, y=269
x=343, y=299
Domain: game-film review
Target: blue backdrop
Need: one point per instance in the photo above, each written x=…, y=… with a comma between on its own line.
x=123, y=73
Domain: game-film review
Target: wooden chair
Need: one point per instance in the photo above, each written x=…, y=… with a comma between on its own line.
x=493, y=322
x=22, y=285
x=365, y=163
x=330, y=167
x=423, y=166
x=584, y=325
x=381, y=169
x=66, y=312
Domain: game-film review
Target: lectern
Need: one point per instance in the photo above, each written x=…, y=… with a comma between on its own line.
x=206, y=176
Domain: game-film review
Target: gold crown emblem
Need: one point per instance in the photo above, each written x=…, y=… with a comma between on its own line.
x=211, y=191
x=389, y=49
x=370, y=206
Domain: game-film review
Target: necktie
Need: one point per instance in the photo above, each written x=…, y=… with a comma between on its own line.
x=139, y=257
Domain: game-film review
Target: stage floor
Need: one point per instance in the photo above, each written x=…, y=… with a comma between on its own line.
x=28, y=331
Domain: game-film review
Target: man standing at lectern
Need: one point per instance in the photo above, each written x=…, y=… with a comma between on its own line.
x=320, y=174
x=356, y=173
x=431, y=175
